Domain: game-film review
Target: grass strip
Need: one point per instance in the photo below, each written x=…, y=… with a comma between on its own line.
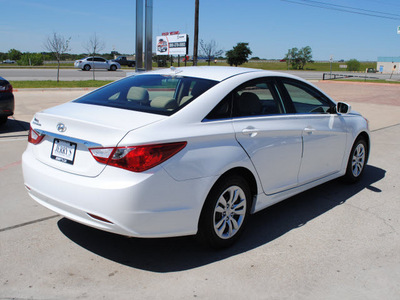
x=39, y=84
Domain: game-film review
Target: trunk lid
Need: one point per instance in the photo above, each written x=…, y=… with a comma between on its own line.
x=71, y=129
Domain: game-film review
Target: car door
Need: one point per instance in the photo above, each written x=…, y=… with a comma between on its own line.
x=100, y=63
x=324, y=132
x=267, y=134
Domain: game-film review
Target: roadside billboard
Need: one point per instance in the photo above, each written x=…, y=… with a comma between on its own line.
x=177, y=44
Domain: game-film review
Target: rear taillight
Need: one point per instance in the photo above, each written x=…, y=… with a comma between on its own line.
x=137, y=158
x=34, y=137
x=6, y=88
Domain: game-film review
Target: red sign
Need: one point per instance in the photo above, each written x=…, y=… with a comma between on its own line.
x=170, y=33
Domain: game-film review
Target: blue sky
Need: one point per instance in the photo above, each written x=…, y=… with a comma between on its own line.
x=270, y=27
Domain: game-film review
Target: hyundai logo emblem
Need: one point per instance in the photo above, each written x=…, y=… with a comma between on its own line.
x=61, y=127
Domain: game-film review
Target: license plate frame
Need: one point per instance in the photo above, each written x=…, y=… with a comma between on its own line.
x=63, y=151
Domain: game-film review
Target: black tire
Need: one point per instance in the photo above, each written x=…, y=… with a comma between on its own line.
x=3, y=120
x=86, y=68
x=113, y=68
x=225, y=212
x=357, y=161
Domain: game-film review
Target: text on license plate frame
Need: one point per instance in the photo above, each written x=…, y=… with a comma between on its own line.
x=63, y=151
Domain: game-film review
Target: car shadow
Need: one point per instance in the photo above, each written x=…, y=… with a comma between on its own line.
x=183, y=253
x=14, y=126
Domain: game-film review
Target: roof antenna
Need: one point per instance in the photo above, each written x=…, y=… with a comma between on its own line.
x=175, y=71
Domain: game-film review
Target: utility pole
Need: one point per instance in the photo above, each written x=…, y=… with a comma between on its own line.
x=196, y=32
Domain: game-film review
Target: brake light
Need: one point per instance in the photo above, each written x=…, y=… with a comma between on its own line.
x=6, y=88
x=34, y=137
x=137, y=158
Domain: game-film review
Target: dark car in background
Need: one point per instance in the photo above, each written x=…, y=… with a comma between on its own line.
x=6, y=100
x=124, y=61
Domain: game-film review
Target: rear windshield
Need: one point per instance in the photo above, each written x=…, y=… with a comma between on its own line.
x=157, y=94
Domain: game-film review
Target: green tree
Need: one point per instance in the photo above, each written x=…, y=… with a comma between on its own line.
x=299, y=58
x=353, y=65
x=239, y=54
x=292, y=58
x=14, y=54
x=31, y=59
x=305, y=56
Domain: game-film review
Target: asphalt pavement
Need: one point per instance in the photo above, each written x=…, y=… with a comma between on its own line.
x=335, y=241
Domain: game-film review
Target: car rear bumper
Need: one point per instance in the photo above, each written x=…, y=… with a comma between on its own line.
x=132, y=204
x=6, y=104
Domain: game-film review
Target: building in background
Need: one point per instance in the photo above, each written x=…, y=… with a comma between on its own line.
x=387, y=64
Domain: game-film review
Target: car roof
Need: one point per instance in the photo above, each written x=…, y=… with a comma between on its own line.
x=93, y=57
x=213, y=72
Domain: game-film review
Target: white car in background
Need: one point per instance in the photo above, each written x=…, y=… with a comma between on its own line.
x=85, y=64
x=189, y=151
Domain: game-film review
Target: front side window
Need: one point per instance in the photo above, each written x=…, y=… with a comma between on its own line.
x=255, y=98
x=157, y=94
x=307, y=100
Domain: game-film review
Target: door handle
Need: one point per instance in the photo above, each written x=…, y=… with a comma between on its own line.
x=251, y=131
x=309, y=129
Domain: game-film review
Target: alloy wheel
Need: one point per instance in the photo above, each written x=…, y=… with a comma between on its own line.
x=358, y=160
x=229, y=212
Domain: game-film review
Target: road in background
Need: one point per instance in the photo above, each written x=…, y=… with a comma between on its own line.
x=65, y=74
x=75, y=74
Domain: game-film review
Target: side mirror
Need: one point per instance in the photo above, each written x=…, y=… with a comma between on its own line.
x=343, y=108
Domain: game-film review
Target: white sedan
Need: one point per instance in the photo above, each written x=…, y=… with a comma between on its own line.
x=190, y=151
x=95, y=62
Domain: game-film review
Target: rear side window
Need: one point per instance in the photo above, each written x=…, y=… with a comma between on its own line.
x=149, y=93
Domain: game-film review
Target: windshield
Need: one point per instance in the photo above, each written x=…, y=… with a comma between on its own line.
x=157, y=94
